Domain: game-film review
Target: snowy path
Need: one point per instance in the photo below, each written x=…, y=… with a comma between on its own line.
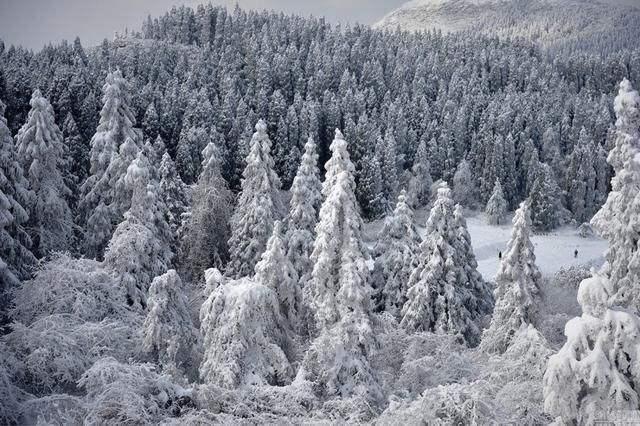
x=553, y=251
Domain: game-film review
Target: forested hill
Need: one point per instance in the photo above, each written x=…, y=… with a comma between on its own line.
x=210, y=74
x=560, y=26
x=183, y=235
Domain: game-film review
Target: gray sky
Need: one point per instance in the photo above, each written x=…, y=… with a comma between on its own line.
x=33, y=23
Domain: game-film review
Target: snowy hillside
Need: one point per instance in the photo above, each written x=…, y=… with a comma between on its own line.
x=569, y=24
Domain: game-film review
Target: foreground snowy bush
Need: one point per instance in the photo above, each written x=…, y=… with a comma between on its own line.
x=516, y=378
x=65, y=285
x=243, y=336
x=168, y=333
x=56, y=350
x=10, y=394
x=69, y=315
x=56, y=409
x=258, y=404
x=598, y=370
x=118, y=393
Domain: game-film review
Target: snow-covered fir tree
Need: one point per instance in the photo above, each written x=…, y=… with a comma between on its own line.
x=140, y=247
x=115, y=128
x=617, y=220
x=436, y=300
x=8, y=279
x=206, y=226
x=15, y=242
x=340, y=294
x=370, y=192
x=39, y=148
x=339, y=253
x=168, y=332
x=151, y=122
x=305, y=202
x=463, y=187
x=581, y=178
x=275, y=270
x=257, y=208
x=172, y=191
x=420, y=182
x=78, y=151
x=387, y=153
x=192, y=142
x=496, y=208
x=517, y=290
x=396, y=256
x=481, y=301
x=545, y=200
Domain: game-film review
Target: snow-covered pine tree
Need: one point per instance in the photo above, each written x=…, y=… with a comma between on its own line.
x=258, y=207
x=369, y=189
x=159, y=147
x=15, y=243
x=168, y=332
x=545, y=200
x=206, y=226
x=78, y=150
x=39, y=148
x=496, y=208
x=436, y=301
x=395, y=255
x=463, y=187
x=151, y=122
x=517, y=290
x=481, y=301
x=140, y=247
x=275, y=270
x=172, y=191
x=581, y=176
x=618, y=220
x=387, y=153
x=420, y=182
x=340, y=294
x=154, y=159
x=96, y=207
x=8, y=279
x=338, y=239
x=116, y=175
x=192, y=142
x=306, y=197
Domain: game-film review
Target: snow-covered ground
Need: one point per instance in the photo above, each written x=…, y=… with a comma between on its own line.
x=553, y=250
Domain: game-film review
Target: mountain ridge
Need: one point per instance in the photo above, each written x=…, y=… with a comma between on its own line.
x=600, y=25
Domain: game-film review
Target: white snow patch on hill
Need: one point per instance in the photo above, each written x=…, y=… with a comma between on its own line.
x=553, y=251
x=572, y=24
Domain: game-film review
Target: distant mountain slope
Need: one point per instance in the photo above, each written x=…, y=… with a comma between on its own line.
x=601, y=25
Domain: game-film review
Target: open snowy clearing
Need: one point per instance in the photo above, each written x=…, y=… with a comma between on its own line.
x=553, y=250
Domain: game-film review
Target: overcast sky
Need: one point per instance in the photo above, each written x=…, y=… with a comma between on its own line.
x=33, y=23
